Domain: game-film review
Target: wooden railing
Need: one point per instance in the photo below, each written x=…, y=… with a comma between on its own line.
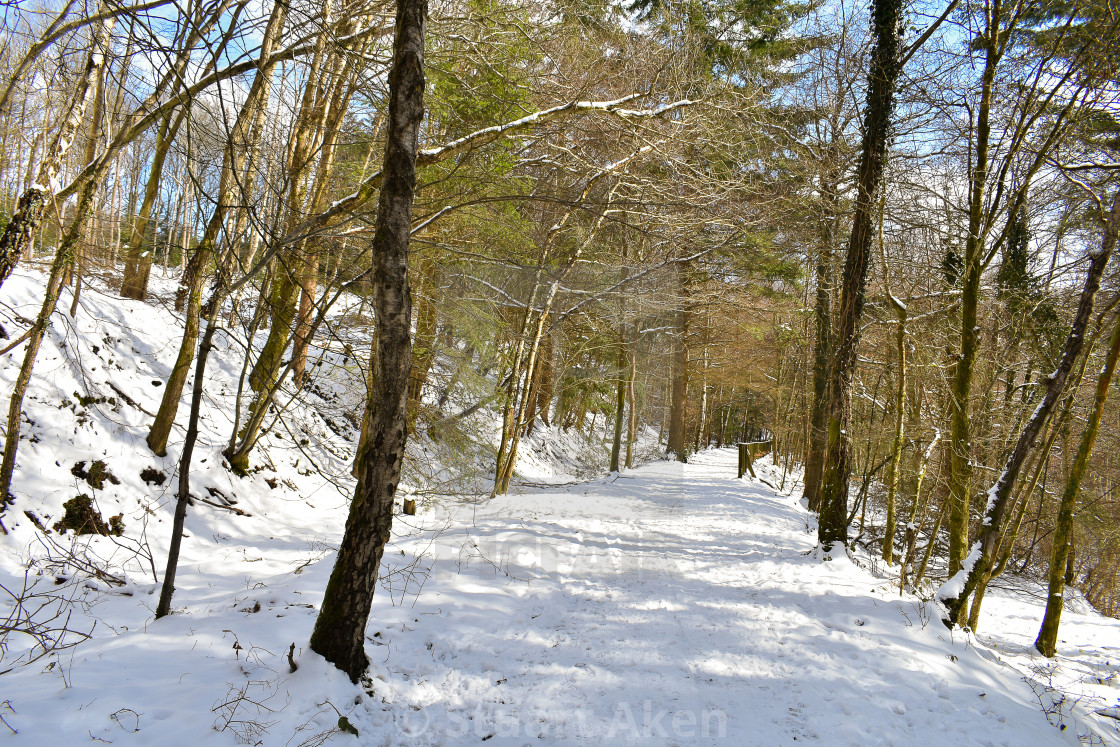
x=748, y=452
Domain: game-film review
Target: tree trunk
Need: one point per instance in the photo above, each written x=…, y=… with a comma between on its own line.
x=163, y=608
x=34, y=201
x=309, y=288
x=423, y=351
x=916, y=507
x=632, y=424
x=1062, y=543
x=960, y=477
x=509, y=415
x=623, y=369
x=173, y=390
x=899, y=433
x=318, y=114
x=704, y=393
x=955, y=592
x=138, y=257
x=547, y=385
x=620, y=403
x=339, y=633
x=678, y=407
x=518, y=404
x=63, y=258
x=928, y=553
x=832, y=526
x=283, y=303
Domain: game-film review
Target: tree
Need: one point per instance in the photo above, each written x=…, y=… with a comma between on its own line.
x=886, y=64
x=1047, y=640
x=32, y=206
x=34, y=201
x=339, y=634
x=977, y=568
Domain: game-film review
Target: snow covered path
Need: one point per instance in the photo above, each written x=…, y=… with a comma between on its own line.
x=677, y=605
x=673, y=605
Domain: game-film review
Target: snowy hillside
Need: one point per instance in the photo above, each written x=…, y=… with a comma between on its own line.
x=671, y=604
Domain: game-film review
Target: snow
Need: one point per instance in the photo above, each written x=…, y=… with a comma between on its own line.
x=669, y=604
x=954, y=587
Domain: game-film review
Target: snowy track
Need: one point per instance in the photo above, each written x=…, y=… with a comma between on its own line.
x=672, y=605
x=682, y=606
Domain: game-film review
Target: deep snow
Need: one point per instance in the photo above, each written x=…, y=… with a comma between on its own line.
x=672, y=604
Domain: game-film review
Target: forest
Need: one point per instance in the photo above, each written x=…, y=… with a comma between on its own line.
x=431, y=257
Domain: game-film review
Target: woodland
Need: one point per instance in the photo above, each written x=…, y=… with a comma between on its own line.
x=876, y=238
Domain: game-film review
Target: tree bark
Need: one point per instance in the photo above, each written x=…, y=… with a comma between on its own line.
x=977, y=567
x=423, y=351
x=917, y=507
x=163, y=608
x=832, y=525
x=1062, y=551
x=620, y=403
x=622, y=373
x=309, y=288
x=173, y=390
x=63, y=258
x=960, y=452
x=339, y=633
x=33, y=202
x=138, y=258
x=631, y=400
x=678, y=403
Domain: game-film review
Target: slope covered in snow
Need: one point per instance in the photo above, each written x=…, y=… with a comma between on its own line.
x=672, y=604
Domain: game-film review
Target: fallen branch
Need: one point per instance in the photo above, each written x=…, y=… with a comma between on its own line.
x=234, y=509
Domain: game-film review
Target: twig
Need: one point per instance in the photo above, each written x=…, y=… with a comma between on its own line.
x=14, y=345
x=234, y=509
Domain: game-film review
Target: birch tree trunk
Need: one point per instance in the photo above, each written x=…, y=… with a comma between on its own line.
x=339, y=634
x=631, y=402
x=33, y=202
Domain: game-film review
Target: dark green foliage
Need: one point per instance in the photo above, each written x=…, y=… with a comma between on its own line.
x=583, y=391
x=1018, y=288
x=473, y=92
x=731, y=32
x=1014, y=280
x=345, y=725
